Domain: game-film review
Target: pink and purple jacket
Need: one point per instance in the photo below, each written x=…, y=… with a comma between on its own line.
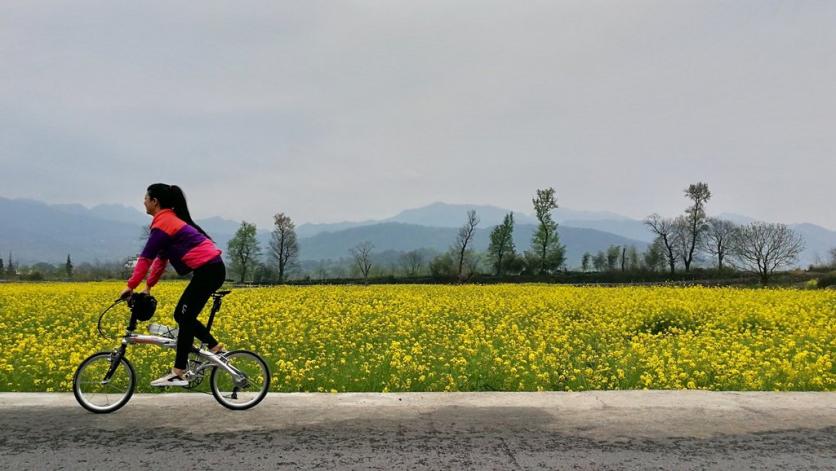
x=172, y=240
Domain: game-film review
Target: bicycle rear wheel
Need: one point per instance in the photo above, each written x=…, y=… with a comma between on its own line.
x=100, y=396
x=239, y=392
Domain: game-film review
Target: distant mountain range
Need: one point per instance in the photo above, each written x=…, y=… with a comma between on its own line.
x=403, y=237
x=452, y=215
x=35, y=231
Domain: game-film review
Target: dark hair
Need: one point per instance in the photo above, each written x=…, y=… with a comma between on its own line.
x=172, y=197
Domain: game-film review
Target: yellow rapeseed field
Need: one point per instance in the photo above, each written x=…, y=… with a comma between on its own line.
x=453, y=338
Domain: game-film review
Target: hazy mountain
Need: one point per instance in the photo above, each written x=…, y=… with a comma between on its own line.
x=219, y=227
x=403, y=237
x=38, y=232
x=454, y=215
x=735, y=218
x=107, y=212
x=35, y=231
x=629, y=228
x=312, y=229
x=818, y=242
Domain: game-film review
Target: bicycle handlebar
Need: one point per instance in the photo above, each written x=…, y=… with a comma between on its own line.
x=101, y=316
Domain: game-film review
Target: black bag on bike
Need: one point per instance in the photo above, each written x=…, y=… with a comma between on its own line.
x=142, y=306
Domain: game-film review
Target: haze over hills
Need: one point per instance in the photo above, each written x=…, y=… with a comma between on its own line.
x=440, y=214
x=35, y=231
x=403, y=237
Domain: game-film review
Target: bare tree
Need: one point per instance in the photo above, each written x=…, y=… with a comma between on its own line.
x=322, y=270
x=718, y=239
x=362, y=257
x=664, y=230
x=681, y=238
x=833, y=257
x=463, y=239
x=283, y=246
x=762, y=247
x=412, y=262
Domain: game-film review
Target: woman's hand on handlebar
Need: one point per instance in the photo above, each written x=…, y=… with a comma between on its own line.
x=126, y=293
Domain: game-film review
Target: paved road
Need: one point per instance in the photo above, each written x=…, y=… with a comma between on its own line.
x=590, y=430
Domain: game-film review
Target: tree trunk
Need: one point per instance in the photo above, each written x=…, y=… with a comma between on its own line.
x=623, y=257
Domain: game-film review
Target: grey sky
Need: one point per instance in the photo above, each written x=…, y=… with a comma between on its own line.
x=336, y=111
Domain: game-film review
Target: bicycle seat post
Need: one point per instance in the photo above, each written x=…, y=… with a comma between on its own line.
x=216, y=306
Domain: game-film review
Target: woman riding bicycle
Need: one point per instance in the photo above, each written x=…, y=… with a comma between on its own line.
x=176, y=238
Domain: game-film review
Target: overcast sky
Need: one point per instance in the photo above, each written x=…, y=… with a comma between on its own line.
x=339, y=110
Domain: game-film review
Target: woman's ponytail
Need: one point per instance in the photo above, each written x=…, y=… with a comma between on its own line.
x=171, y=196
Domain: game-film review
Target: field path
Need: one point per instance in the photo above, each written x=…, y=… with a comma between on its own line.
x=598, y=430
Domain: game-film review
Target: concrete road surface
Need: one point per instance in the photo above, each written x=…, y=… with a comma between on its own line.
x=553, y=430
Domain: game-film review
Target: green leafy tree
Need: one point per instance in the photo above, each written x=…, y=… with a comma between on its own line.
x=243, y=250
x=655, y=257
x=501, y=248
x=586, y=261
x=68, y=267
x=633, y=262
x=11, y=272
x=546, y=251
x=613, y=253
x=599, y=261
x=443, y=266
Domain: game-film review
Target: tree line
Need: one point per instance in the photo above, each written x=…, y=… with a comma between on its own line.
x=757, y=247
x=545, y=256
x=680, y=243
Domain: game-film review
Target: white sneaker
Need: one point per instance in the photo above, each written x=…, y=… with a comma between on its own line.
x=170, y=379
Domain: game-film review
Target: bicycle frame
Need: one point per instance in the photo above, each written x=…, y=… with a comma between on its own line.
x=131, y=338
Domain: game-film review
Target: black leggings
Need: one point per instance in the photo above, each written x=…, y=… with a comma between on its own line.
x=205, y=281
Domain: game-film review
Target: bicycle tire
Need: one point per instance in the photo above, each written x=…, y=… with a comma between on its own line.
x=126, y=395
x=218, y=373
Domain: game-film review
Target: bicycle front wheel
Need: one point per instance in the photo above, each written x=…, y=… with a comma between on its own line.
x=247, y=387
x=100, y=395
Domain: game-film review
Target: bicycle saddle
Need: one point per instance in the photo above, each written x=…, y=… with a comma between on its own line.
x=221, y=294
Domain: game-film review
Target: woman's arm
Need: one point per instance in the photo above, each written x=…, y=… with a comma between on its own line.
x=157, y=270
x=157, y=239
